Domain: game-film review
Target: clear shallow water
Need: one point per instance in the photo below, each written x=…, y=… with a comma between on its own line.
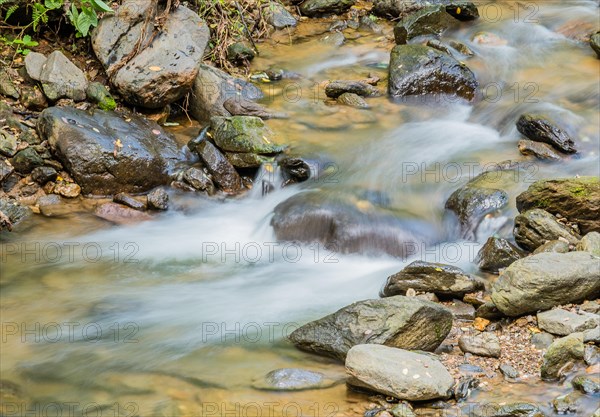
x=178, y=315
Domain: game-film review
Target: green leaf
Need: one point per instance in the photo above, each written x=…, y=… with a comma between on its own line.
x=10, y=11
x=27, y=41
x=53, y=4
x=39, y=14
x=73, y=15
x=86, y=19
x=101, y=6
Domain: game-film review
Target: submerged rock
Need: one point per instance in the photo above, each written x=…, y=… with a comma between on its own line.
x=353, y=100
x=292, y=379
x=120, y=214
x=560, y=353
x=165, y=67
x=541, y=128
x=420, y=70
x=496, y=254
x=402, y=322
x=588, y=384
x=535, y=227
x=347, y=226
x=106, y=153
x=546, y=280
x=399, y=373
x=213, y=87
x=334, y=89
x=440, y=279
x=507, y=410
x=313, y=8
x=577, y=199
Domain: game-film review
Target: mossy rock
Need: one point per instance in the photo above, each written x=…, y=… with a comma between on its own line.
x=577, y=199
x=243, y=134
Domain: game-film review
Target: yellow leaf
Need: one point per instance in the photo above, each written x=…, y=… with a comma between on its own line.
x=438, y=269
x=59, y=178
x=534, y=329
x=154, y=68
x=268, y=167
x=118, y=143
x=458, y=10
x=209, y=134
x=266, y=140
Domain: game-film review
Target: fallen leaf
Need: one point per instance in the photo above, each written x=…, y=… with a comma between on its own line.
x=154, y=68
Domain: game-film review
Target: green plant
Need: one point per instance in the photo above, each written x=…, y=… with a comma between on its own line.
x=82, y=14
x=21, y=45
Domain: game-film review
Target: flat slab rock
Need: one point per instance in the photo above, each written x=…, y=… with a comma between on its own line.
x=399, y=373
x=440, y=279
x=562, y=322
x=107, y=153
x=399, y=321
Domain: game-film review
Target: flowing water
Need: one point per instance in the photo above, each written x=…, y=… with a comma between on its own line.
x=178, y=315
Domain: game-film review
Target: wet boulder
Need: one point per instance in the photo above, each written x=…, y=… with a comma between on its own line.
x=212, y=87
x=595, y=43
x=546, y=280
x=541, y=128
x=464, y=11
x=12, y=213
x=421, y=70
x=535, y=227
x=165, y=66
x=428, y=21
x=440, y=279
x=292, y=379
x=399, y=373
x=222, y=171
x=314, y=8
x=107, y=153
x=402, y=322
x=496, y=254
x=246, y=134
x=577, y=199
x=483, y=195
x=346, y=225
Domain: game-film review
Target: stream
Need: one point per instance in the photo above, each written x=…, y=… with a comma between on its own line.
x=178, y=315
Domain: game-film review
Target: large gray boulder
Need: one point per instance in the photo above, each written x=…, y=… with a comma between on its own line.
x=61, y=78
x=336, y=222
x=398, y=373
x=440, y=279
x=213, y=87
x=403, y=322
x=107, y=153
x=546, y=280
x=417, y=70
x=163, y=65
x=577, y=199
x=535, y=227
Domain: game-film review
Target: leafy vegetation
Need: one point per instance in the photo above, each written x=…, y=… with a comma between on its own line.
x=82, y=15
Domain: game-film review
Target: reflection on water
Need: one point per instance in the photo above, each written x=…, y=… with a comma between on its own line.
x=177, y=316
